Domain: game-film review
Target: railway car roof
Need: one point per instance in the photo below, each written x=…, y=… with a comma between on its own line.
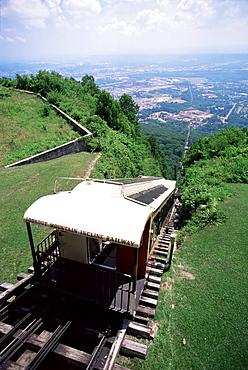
x=115, y=210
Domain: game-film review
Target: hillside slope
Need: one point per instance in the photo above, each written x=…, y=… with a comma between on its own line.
x=19, y=188
x=204, y=298
x=28, y=126
x=113, y=123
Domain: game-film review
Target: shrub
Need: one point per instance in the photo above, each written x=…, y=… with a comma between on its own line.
x=46, y=110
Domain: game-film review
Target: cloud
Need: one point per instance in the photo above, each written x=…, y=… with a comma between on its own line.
x=109, y=26
x=79, y=8
x=119, y=26
x=154, y=19
x=232, y=12
x=9, y=39
x=7, y=29
x=21, y=39
x=29, y=9
x=54, y=6
x=163, y=3
x=197, y=8
x=31, y=13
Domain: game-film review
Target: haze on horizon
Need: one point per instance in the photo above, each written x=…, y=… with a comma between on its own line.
x=50, y=29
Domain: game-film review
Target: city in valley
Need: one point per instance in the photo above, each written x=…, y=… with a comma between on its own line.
x=199, y=89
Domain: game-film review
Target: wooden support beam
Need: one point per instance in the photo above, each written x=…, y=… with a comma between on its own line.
x=35, y=342
x=145, y=311
x=133, y=349
x=141, y=319
x=161, y=249
x=26, y=358
x=162, y=253
x=153, y=286
x=15, y=288
x=154, y=279
x=5, y=286
x=139, y=330
x=160, y=260
x=157, y=272
x=22, y=276
x=149, y=302
x=11, y=365
x=150, y=294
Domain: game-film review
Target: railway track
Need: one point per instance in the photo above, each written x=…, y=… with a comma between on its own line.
x=41, y=329
x=44, y=331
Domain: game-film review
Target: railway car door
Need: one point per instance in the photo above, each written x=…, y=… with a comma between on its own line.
x=74, y=247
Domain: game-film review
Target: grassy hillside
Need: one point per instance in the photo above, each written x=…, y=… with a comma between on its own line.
x=204, y=300
x=28, y=126
x=19, y=188
x=114, y=123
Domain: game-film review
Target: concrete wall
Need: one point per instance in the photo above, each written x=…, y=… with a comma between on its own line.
x=75, y=146
x=71, y=147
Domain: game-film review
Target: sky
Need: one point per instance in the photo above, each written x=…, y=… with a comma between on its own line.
x=50, y=29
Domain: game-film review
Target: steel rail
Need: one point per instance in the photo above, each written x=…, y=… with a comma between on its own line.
x=18, y=342
x=15, y=328
x=96, y=353
x=48, y=347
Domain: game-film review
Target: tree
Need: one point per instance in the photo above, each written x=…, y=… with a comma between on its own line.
x=22, y=82
x=130, y=109
x=108, y=109
x=86, y=79
x=89, y=85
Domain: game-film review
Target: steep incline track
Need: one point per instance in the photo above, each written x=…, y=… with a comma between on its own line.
x=46, y=329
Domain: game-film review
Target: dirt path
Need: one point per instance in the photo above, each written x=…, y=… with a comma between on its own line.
x=92, y=165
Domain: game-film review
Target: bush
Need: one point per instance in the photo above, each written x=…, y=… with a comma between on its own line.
x=211, y=163
x=46, y=109
x=4, y=92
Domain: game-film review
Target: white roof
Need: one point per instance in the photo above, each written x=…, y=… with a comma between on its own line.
x=102, y=209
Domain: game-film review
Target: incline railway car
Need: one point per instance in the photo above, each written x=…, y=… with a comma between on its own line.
x=102, y=234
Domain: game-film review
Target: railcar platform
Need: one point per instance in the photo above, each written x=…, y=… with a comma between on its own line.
x=92, y=283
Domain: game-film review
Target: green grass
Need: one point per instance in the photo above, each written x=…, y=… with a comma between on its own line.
x=25, y=129
x=19, y=188
x=207, y=287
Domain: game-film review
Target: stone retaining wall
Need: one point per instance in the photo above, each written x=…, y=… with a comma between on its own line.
x=75, y=146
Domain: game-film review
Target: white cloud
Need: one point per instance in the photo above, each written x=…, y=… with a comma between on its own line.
x=29, y=9
x=79, y=8
x=21, y=39
x=163, y=3
x=199, y=8
x=232, y=12
x=7, y=29
x=119, y=26
x=106, y=26
x=54, y=5
x=9, y=39
x=152, y=19
x=31, y=13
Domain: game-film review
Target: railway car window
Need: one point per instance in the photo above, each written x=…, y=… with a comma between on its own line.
x=95, y=247
x=107, y=256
